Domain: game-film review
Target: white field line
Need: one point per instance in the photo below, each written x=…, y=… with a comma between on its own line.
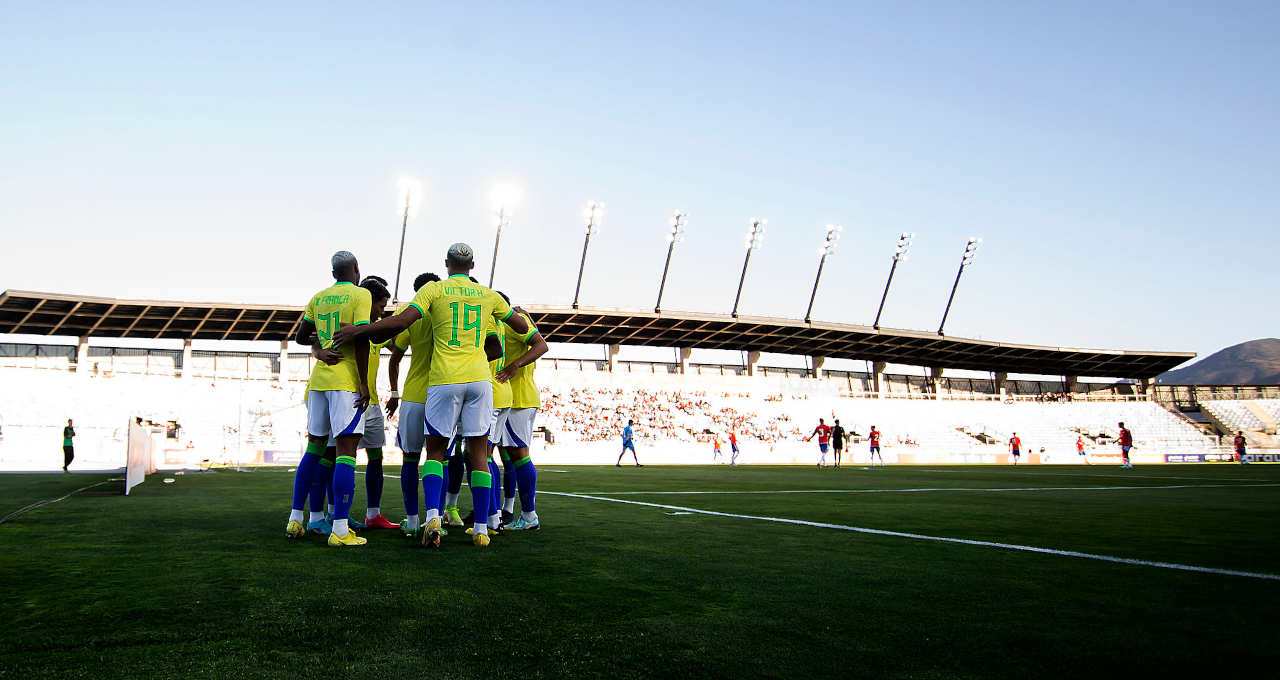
x=39, y=504
x=940, y=539
x=923, y=490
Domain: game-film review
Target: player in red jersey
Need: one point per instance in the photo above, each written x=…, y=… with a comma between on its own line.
x=1126, y=443
x=1015, y=447
x=733, y=449
x=824, y=440
x=874, y=438
x=1080, y=450
x=1239, y=445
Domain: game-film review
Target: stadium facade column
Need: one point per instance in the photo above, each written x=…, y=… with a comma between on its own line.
x=82, y=355
x=817, y=366
x=1001, y=383
x=186, y=358
x=1070, y=383
x=753, y=357
x=282, y=376
x=1144, y=387
x=611, y=355
x=877, y=377
x=935, y=378
x=685, y=353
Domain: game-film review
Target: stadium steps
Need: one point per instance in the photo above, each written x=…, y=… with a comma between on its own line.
x=1268, y=423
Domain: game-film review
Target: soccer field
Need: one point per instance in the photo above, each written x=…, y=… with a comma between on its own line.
x=689, y=571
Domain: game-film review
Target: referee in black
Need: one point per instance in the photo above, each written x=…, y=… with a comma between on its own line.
x=837, y=441
x=68, y=448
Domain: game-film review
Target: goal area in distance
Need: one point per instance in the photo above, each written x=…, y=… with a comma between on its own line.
x=139, y=459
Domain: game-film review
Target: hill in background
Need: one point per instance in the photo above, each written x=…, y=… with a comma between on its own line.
x=1256, y=362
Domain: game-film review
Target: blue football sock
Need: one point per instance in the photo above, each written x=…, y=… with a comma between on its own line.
x=495, y=489
x=303, y=475
x=373, y=478
x=330, y=455
x=321, y=479
x=527, y=481
x=444, y=487
x=508, y=477
x=409, y=484
x=432, y=481
x=344, y=486
x=480, y=488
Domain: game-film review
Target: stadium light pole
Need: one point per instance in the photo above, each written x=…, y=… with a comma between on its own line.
x=904, y=244
x=408, y=194
x=503, y=197
x=678, y=222
x=592, y=214
x=970, y=249
x=828, y=247
x=755, y=237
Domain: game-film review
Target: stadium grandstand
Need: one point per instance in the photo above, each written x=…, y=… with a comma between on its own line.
x=936, y=399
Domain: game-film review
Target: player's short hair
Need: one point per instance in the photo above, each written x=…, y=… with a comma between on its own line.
x=631, y=422
x=424, y=278
x=460, y=255
x=342, y=259
x=1122, y=423
x=375, y=277
x=376, y=288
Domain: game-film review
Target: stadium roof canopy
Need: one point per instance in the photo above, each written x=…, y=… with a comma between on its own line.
x=54, y=314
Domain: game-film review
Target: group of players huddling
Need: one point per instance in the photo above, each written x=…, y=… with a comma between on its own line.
x=469, y=393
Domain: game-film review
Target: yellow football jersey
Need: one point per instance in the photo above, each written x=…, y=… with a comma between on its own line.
x=524, y=391
x=375, y=358
x=501, y=391
x=416, y=340
x=342, y=304
x=457, y=309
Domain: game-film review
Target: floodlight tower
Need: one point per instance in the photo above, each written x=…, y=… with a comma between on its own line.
x=970, y=250
x=409, y=195
x=828, y=247
x=899, y=255
x=503, y=198
x=592, y=215
x=755, y=237
x=678, y=222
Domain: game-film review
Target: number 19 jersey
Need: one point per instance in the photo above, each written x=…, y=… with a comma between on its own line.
x=342, y=304
x=457, y=310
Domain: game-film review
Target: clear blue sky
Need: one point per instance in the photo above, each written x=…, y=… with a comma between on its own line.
x=1119, y=159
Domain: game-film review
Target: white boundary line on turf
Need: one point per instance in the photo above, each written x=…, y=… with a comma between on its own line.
x=940, y=539
x=40, y=504
x=922, y=490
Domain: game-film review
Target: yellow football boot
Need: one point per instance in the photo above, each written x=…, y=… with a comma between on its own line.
x=295, y=529
x=342, y=541
x=431, y=533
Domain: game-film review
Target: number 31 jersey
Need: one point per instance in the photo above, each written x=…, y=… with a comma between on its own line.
x=342, y=304
x=457, y=310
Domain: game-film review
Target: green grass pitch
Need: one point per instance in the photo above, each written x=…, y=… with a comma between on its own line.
x=195, y=578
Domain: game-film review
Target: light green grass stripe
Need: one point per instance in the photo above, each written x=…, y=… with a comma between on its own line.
x=940, y=539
